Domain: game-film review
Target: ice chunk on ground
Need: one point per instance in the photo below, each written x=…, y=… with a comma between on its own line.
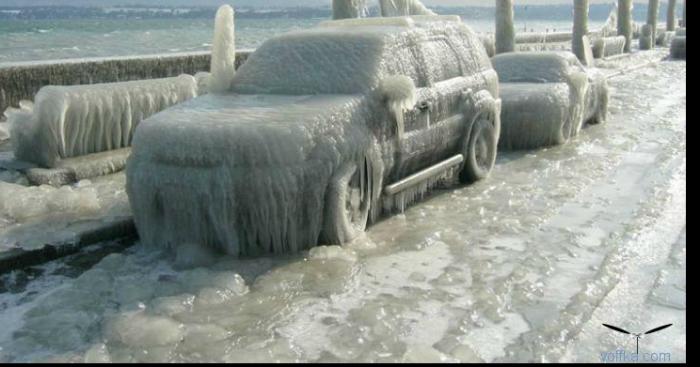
x=223, y=53
x=19, y=203
x=70, y=121
x=608, y=46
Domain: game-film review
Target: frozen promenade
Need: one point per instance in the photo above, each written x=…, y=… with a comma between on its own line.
x=523, y=266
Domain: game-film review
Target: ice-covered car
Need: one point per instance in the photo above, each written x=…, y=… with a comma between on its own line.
x=547, y=97
x=322, y=131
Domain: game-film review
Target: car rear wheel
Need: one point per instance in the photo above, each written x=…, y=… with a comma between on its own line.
x=480, y=152
x=348, y=204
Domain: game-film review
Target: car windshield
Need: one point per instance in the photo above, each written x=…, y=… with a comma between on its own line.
x=531, y=68
x=316, y=62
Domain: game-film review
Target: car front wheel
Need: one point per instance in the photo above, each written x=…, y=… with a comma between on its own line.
x=348, y=204
x=480, y=152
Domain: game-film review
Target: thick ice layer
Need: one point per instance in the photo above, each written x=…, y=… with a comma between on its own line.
x=223, y=53
x=394, y=8
x=254, y=168
x=70, y=121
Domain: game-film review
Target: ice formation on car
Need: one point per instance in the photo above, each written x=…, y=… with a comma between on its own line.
x=544, y=99
x=70, y=121
x=259, y=161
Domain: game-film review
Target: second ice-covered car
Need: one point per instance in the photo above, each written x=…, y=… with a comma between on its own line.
x=322, y=130
x=547, y=97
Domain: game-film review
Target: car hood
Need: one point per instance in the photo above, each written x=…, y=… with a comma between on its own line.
x=243, y=129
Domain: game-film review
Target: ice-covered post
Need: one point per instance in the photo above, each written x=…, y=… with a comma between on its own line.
x=343, y=9
x=624, y=22
x=223, y=54
x=650, y=31
x=578, y=45
x=671, y=16
x=505, y=31
x=684, y=25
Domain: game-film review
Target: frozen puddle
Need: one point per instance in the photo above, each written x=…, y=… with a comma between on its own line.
x=524, y=266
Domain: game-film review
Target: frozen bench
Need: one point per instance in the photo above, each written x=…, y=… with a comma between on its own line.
x=67, y=122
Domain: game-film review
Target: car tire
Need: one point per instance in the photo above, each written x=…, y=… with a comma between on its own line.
x=347, y=205
x=480, y=152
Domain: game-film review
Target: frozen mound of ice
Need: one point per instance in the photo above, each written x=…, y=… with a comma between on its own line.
x=70, y=121
x=645, y=38
x=663, y=38
x=544, y=98
x=678, y=48
x=393, y=8
x=202, y=78
x=223, y=53
x=347, y=9
x=20, y=203
x=609, y=29
x=608, y=46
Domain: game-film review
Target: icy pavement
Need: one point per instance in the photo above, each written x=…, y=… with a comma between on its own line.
x=524, y=266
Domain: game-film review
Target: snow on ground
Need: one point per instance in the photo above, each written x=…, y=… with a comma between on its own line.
x=524, y=266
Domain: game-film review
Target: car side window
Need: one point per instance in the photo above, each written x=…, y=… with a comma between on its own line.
x=442, y=60
x=403, y=59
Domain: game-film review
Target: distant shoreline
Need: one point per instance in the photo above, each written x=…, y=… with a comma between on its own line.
x=523, y=12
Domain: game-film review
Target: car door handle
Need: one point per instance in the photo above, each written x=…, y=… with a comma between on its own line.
x=423, y=106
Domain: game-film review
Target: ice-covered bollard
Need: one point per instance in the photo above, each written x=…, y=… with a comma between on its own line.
x=678, y=47
x=396, y=8
x=624, y=22
x=648, y=38
x=223, y=54
x=505, y=31
x=344, y=9
x=580, y=30
x=671, y=16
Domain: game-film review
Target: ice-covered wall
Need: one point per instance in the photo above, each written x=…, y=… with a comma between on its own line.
x=70, y=121
x=395, y=8
x=22, y=80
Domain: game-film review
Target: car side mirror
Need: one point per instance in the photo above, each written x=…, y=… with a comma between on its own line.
x=398, y=92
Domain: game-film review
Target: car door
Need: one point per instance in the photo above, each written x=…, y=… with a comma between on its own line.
x=433, y=128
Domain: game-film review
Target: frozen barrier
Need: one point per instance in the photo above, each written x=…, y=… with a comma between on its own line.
x=608, y=46
x=542, y=37
x=678, y=48
x=70, y=121
x=553, y=46
x=22, y=80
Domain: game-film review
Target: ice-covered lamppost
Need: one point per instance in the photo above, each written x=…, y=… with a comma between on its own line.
x=505, y=31
x=223, y=54
x=579, y=44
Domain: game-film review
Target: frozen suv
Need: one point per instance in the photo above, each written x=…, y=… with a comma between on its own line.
x=322, y=131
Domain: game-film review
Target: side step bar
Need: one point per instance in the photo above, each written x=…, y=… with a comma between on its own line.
x=423, y=175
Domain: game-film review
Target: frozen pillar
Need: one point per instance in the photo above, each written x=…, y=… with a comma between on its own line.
x=671, y=16
x=648, y=38
x=580, y=29
x=624, y=22
x=343, y=9
x=505, y=31
x=223, y=54
x=684, y=25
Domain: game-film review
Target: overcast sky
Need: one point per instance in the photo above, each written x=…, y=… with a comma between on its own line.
x=264, y=3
